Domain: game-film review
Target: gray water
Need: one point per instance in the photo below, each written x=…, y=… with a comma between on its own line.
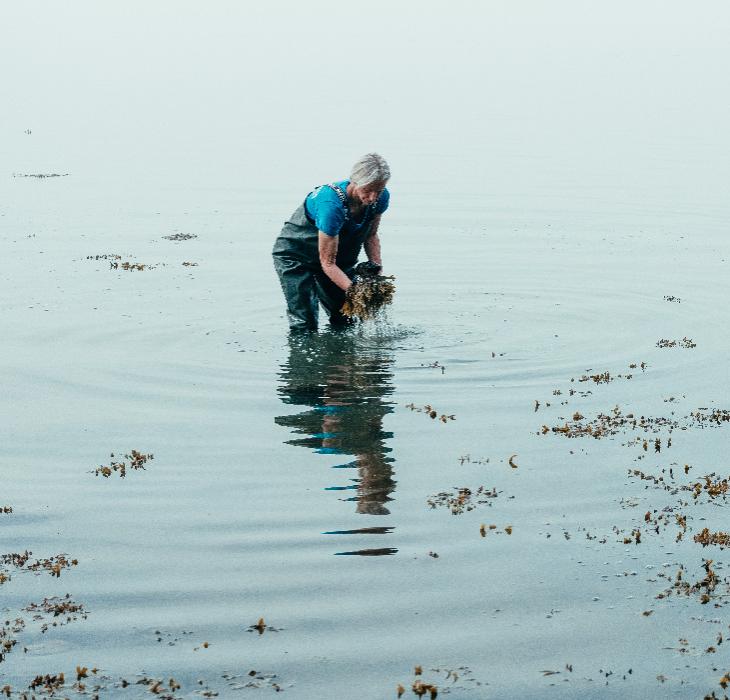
x=558, y=171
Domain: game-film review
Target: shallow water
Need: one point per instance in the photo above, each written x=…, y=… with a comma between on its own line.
x=291, y=476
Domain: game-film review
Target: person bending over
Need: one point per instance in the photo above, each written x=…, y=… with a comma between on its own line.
x=317, y=250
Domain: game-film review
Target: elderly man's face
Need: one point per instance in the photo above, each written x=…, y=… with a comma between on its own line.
x=368, y=194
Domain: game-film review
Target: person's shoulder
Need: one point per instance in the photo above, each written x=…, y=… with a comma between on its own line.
x=325, y=208
x=325, y=195
x=339, y=188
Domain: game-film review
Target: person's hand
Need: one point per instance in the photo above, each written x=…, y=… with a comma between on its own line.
x=368, y=269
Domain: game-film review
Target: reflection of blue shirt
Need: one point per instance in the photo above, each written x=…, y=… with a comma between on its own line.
x=328, y=213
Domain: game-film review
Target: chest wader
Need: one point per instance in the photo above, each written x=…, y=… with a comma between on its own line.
x=296, y=261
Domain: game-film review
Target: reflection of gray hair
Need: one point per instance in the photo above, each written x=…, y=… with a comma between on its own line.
x=368, y=169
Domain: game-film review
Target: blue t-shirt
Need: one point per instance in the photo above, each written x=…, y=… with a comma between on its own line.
x=328, y=213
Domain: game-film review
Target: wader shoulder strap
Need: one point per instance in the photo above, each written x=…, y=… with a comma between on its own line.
x=342, y=197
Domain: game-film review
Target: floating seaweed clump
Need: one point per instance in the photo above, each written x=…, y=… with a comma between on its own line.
x=468, y=459
x=714, y=488
x=654, y=522
x=419, y=686
x=705, y=586
x=720, y=539
x=64, y=608
x=137, y=460
x=462, y=499
x=254, y=679
x=104, y=256
x=262, y=627
x=431, y=412
x=617, y=422
x=369, y=293
x=48, y=682
x=57, y=606
x=717, y=416
x=710, y=485
x=684, y=343
x=599, y=378
x=180, y=236
x=22, y=561
x=8, y=630
x=126, y=265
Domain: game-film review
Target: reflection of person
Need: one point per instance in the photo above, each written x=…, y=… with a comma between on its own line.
x=345, y=385
x=317, y=249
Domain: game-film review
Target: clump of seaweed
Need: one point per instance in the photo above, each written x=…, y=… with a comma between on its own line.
x=616, y=421
x=599, y=378
x=714, y=488
x=684, y=343
x=369, y=293
x=462, y=499
x=254, y=679
x=720, y=539
x=654, y=522
x=710, y=485
x=8, y=630
x=64, y=608
x=262, y=627
x=23, y=562
x=126, y=265
x=48, y=682
x=180, y=236
x=705, y=587
x=468, y=459
x=717, y=416
x=431, y=412
x=419, y=686
x=137, y=460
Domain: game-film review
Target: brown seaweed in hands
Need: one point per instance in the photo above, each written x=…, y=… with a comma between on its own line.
x=368, y=294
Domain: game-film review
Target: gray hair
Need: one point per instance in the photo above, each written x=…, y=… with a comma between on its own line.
x=368, y=169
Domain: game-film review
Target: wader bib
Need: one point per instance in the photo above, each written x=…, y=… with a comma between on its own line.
x=296, y=260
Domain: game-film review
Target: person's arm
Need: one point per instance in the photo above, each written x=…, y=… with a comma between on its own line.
x=372, y=243
x=328, y=260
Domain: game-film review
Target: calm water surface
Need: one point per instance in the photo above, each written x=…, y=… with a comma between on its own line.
x=535, y=241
